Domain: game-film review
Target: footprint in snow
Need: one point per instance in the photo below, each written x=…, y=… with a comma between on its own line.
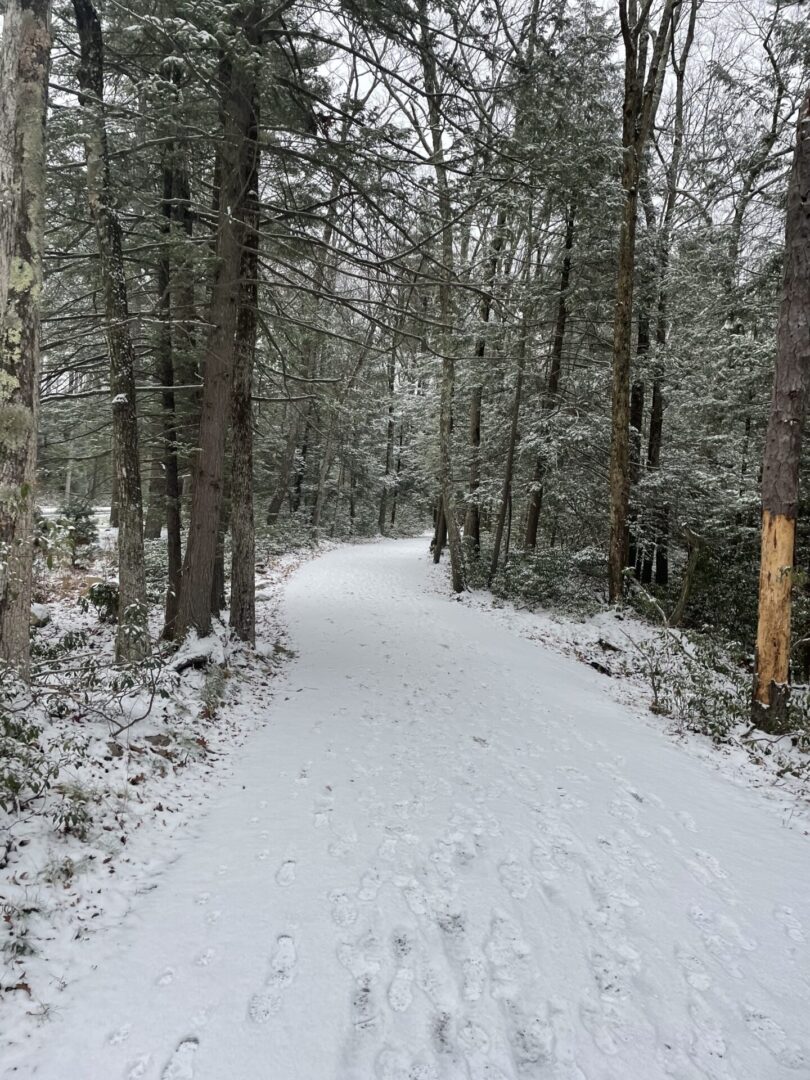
x=344, y=913
x=789, y=1054
x=515, y=879
x=205, y=958
x=181, y=1064
x=202, y=898
x=268, y=1001
x=473, y=1038
x=396, y=1064
x=166, y=977
x=722, y=938
x=140, y=1067
x=285, y=875
x=686, y=820
x=120, y=1036
x=509, y=956
x=322, y=810
x=708, y=1047
x=400, y=992
x=343, y=843
x=474, y=976
x=370, y=885
x=531, y=1037
x=361, y=961
x=416, y=898
x=694, y=970
x=792, y=927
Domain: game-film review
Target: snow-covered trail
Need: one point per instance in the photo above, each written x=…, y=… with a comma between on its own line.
x=451, y=855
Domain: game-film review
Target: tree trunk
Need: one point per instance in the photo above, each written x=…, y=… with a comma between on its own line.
x=656, y=434
x=506, y=493
x=389, y=441
x=433, y=93
x=782, y=455
x=243, y=534
x=640, y=100
x=439, y=533
x=286, y=463
x=132, y=635
x=694, y=546
x=24, y=63
x=237, y=78
x=552, y=384
x=168, y=310
x=156, y=500
x=472, y=519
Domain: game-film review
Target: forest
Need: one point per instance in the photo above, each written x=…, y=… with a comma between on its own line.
x=339, y=272
x=522, y=285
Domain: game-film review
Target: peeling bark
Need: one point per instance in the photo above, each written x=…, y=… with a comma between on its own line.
x=783, y=443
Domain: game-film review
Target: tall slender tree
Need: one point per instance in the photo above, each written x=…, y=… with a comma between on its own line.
x=783, y=444
x=643, y=69
x=131, y=639
x=24, y=62
x=235, y=168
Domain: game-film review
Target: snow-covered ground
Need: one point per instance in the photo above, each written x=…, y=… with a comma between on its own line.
x=450, y=854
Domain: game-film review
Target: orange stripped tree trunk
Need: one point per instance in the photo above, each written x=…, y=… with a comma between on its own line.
x=782, y=457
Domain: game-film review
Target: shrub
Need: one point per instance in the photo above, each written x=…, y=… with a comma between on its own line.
x=26, y=769
x=103, y=596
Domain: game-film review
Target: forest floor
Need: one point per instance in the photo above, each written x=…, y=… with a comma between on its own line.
x=451, y=852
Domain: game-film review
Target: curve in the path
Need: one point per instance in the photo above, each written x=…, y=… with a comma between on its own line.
x=450, y=856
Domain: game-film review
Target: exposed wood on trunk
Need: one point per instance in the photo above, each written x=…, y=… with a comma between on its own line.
x=783, y=443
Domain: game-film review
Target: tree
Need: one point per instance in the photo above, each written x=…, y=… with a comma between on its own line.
x=783, y=442
x=641, y=93
x=131, y=639
x=24, y=64
x=237, y=82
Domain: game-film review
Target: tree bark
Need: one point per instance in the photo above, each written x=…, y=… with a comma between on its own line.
x=243, y=533
x=173, y=191
x=433, y=93
x=389, y=440
x=24, y=65
x=472, y=518
x=656, y=433
x=132, y=635
x=641, y=91
x=237, y=78
x=782, y=455
x=553, y=383
x=506, y=493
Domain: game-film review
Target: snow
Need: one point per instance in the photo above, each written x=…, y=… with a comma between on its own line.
x=450, y=853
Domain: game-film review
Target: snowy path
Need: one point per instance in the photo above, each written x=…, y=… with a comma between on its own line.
x=451, y=855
